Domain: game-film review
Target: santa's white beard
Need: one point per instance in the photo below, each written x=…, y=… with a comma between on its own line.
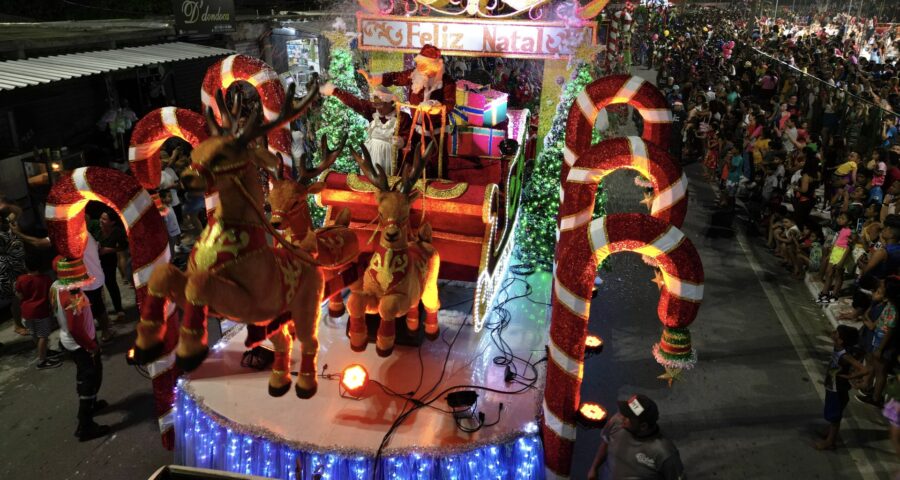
x=421, y=81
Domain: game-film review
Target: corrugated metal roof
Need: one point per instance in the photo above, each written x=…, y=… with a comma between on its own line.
x=40, y=70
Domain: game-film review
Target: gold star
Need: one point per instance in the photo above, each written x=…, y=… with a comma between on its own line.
x=658, y=279
x=671, y=375
x=648, y=200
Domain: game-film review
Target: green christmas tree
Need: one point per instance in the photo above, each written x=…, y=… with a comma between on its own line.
x=536, y=233
x=337, y=121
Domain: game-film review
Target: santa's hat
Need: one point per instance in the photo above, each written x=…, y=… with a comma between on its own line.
x=429, y=52
x=382, y=93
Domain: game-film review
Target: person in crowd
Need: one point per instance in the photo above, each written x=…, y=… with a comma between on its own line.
x=33, y=290
x=841, y=368
x=881, y=350
x=111, y=240
x=834, y=273
x=12, y=264
x=94, y=289
x=78, y=336
x=172, y=226
x=632, y=445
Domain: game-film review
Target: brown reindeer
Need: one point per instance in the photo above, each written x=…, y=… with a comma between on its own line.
x=402, y=269
x=232, y=270
x=335, y=245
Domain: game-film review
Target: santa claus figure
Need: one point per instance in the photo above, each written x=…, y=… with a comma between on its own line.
x=388, y=129
x=433, y=92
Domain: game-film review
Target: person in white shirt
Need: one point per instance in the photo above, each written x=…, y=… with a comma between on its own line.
x=94, y=290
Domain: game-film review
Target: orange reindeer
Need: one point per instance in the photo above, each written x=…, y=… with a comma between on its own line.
x=403, y=269
x=232, y=270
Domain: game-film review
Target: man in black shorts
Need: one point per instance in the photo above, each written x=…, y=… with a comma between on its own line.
x=632, y=446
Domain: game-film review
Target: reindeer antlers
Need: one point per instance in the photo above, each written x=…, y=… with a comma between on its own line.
x=411, y=173
x=328, y=159
x=291, y=109
x=229, y=116
x=374, y=173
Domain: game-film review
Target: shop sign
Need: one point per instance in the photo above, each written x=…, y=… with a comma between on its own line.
x=203, y=16
x=474, y=37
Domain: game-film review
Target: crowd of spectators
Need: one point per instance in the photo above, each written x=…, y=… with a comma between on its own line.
x=796, y=122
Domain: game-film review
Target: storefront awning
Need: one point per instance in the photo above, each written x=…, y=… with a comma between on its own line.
x=41, y=70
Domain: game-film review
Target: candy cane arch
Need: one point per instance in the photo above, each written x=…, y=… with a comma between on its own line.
x=611, y=90
x=149, y=135
x=666, y=177
x=234, y=68
x=581, y=249
x=148, y=243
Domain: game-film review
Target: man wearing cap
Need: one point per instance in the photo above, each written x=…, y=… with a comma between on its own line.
x=431, y=88
x=387, y=131
x=633, y=448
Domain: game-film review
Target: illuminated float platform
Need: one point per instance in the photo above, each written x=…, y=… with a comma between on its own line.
x=226, y=420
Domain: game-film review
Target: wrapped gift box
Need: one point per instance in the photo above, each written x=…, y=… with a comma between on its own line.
x=476, y=141
x=479, y=117
x=473, y=98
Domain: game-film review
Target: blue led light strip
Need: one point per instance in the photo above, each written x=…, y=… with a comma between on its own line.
x=203, y=442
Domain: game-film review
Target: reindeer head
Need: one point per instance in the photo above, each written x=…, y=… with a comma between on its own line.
x=288, y=198
x=230, y=154
x=394, y=203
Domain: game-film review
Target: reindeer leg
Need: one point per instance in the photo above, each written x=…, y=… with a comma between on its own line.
x=430, y=297
x=336, y=307
x=165, y=282
x=412, y=318
x=306, y=319
x=192, y=348
x=356, y=306
x=389, y=308
x=280, y=379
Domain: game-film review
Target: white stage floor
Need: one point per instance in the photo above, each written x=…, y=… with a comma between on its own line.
x=330, y=423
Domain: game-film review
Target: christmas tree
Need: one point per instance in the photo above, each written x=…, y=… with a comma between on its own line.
x=536, y=233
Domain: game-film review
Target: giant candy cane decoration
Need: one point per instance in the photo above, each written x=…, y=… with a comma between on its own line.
x=148, y=242
x=666, y=177
x=233, y=68
x=615, y=89
x=148, y=137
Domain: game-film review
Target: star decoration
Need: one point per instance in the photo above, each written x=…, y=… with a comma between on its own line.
x=648, y=200
x=671, y=375
x=658, y=279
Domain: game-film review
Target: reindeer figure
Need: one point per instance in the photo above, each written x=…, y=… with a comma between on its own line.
x=232, y=270
x=334, y=245
x=401, y=271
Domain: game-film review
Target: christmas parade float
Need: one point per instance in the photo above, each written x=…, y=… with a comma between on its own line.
x=408, y=220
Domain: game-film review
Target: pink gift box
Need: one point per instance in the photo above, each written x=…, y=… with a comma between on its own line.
x=473, y=95
x=476, y=141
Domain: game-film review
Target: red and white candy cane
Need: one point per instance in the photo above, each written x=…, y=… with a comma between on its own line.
x=148, y=243
x=581, y=249
x=665, y=176
x=611, y=90
x=152, y=131
x=263, y=78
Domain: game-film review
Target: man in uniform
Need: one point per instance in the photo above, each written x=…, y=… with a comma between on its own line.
x=633, y=448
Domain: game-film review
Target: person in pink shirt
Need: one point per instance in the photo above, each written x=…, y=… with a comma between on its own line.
x=834, y=272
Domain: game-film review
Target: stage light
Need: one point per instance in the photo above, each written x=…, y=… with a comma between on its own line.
x=592, y=415
x=354, y=380
x=593, y=345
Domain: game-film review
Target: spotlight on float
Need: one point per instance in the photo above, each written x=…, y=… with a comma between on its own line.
x=593, y=345
x=353, y=381
x=462, y=403
x=592, y=415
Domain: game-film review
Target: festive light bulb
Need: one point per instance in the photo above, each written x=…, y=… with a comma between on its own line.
x=592, y=415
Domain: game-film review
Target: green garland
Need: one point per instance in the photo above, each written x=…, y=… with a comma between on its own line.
x=536, y=233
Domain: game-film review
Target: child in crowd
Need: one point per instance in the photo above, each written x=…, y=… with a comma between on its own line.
x=837, y=382
x=834, y=272
x=77, y=336
x=171, y=223
x=882, y=331
x=33, y=290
